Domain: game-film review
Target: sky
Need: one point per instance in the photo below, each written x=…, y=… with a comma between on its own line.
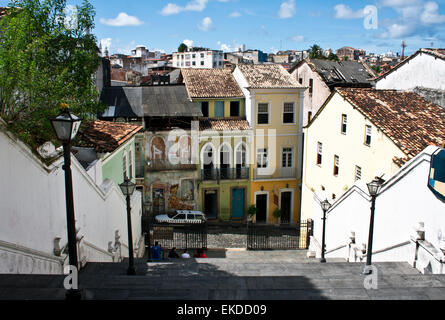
x=377, y=26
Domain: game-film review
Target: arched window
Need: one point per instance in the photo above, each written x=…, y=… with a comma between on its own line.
x=225, y=160
x=208, y=162
x=242, y=168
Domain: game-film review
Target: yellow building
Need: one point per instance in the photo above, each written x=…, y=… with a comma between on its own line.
x=359, y=134
x=274, y=111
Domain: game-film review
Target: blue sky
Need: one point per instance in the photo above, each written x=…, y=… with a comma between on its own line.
x=269, y=25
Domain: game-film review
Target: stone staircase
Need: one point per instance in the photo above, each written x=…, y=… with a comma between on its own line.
x=233, y=275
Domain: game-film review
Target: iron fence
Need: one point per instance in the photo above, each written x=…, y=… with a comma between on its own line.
x=179, y=236
x=270, y=237
x=225, y=174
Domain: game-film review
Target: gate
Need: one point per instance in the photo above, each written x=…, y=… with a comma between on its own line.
x=179, y=236
x=270, y=237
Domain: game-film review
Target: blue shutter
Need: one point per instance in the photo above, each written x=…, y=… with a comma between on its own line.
x=219, y=108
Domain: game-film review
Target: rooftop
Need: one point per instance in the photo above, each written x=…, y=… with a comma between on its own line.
x=105, y=136
x=264, y=76
x=409, y=120
x=338, y=73
x=224, y=124
x=148, y=101
x=211, y=83
x=438, y=53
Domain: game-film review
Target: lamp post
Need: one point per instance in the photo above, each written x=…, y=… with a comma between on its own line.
x=373, y=188
x=127, y=188
x=149, y=216
x=325, y=205
x=66, y=126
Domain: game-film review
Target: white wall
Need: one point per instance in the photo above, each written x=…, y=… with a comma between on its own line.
x=33, y=212
x=403, y=202
x=424, y=70
x=320, y=91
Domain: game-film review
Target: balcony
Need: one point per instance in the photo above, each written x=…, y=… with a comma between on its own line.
x=274, y=173
x=165, y=165
x=225, y=174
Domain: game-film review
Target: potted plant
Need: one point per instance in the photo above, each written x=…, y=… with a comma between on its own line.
x=251, y=212
x=277, y=214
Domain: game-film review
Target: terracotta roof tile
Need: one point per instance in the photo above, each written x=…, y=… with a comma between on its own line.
x=229, y=124
x=411, y=121
x=268, y=76
x=105, y=136
x=211, y=83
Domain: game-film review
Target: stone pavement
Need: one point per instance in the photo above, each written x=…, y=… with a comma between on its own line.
x=234, y=275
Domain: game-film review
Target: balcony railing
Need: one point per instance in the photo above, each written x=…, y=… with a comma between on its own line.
x=165, y=164
x=274, y=173
x=225, y=174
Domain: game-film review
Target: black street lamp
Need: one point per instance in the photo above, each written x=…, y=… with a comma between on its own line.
x=373, y=188
x=325, y=205
x=66, y=126
x=127, y=188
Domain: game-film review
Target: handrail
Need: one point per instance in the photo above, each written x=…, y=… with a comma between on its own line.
x=392, y=247
x=428, y=247
x=336, y=249
x=30, y=252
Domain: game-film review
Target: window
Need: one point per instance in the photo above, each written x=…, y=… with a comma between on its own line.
x=311, y=86
x=124, y=165
x=262, y=158
x=205, y=108
x=202, y=56
x=309, y=116
x=130, y=164
x=187, y=190
x=319, y=153
x=289, y=113
x=234, y=109
x=344, y=123
x=300, y=80
x=193, y=63
x=368, y=135
x=187, y=63
x=336, y=165
x=287, y=158
x=187, y=57
x=358, y=173
x=202, y=63
x=263, y=113
x=193, y=56
x=219, y=108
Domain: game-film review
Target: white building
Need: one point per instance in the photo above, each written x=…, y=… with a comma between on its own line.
x=409, y=223
x=206, y=59
x=423, y=72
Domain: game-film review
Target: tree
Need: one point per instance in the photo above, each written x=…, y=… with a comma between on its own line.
x=333, y=57
x=345, y=58
x=182, y=47
x=316, y=52
x=47, y=57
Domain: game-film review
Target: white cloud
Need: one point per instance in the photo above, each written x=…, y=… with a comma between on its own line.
x=235, y=46
x=122, y=20
x=396, y=31
x=287, y=9
x=399, y=3
x=431, y=14
x=188, y=42
x=298, y=38
x=194, y=5
x=206, y=24
x=235, y=14
x=344, y=12
x=105, y=43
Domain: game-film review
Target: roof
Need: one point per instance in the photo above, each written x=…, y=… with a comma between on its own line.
x=211, y=83
x=148, y=101
x=340, y=73
x=224, y=124
x=105, y=136
x=408, y=119
x=438, y=53
x=264, y=76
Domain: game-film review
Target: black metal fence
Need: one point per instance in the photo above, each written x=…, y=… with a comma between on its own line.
x=270, y=237
x=225, y=174
x=179, y=236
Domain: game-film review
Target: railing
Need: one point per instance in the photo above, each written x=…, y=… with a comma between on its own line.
x=225, y=174
x=185, y=236
x=166, y=164
x=274, y=173
x=269, y=237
